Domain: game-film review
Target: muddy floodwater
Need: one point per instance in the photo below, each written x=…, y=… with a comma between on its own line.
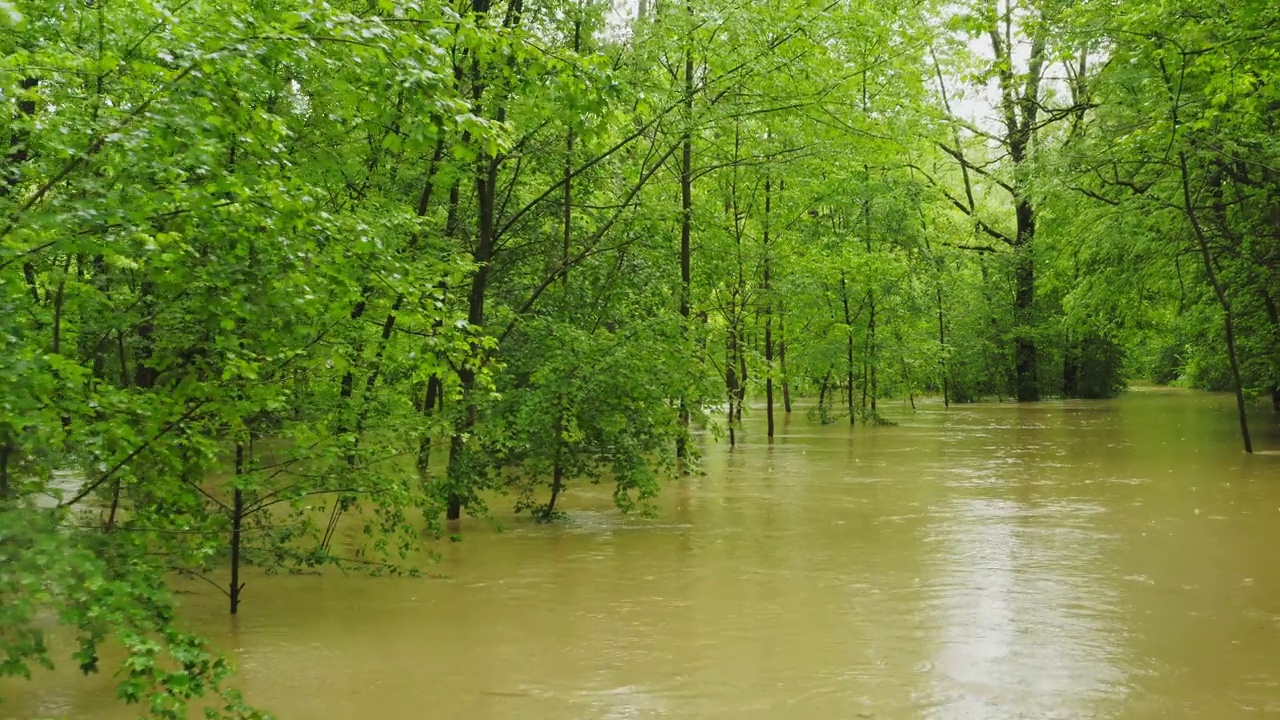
x=1108, y=559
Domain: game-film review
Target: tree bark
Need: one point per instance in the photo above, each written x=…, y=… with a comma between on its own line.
x=848, y=329
x=1220, y=290
x=731, y=376
x=942, y=348
x=782, y=363
x=768, y=309
x=870, y=361
x=686, y=225
x=1025, y=354
x=429, y=401
x=460, y=467
x=237, y=518
x=557, y=471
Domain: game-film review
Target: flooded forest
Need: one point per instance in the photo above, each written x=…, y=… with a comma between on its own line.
x=589, y=359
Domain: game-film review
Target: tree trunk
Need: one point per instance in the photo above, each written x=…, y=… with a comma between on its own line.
x=739, y=347
x=429, y=401
x=434, y=383
x=1220, y=291
x=686, y=222
x=848, y=329
x=456, y=470
x=567, y=181
x=870, y=360
x=731, y=375
x=1028, y=386
x=942, y=347
x=782, y=364
x=460, y=471
x=460, y=468
x=237, y=518
x=768, y=311
x=822, y=396
x=557, y=471
x=6, y=450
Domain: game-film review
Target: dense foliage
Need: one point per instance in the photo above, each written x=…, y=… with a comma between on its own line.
x=285, y=284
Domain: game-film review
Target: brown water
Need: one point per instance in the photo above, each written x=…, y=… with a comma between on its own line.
x=1109, y=559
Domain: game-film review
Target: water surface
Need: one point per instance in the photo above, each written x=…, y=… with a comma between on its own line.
x=1110, y=559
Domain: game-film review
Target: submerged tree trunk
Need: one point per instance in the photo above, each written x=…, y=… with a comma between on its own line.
x=557, y=470
x=237, y=519
x=822, y=396
x=906, y=377
x=1220, y=290
x=434, y=400
x=461, y=469
x=686, y=223
x=768, y=310
x=942, y=348
x=782, y=363
x=848, y=329
x=868, y=361
x=731, y=377
x=459, y=474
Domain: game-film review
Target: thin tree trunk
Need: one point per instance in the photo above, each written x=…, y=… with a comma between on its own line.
x=942, y=347
x=429, y=401
x=567, y=179
x=459, y=475
x=434, y=399
x=911, y=392
x=782, y=363
x=57, y=307
x=739, y=349
x=865, y=377
x=110, y=524
x=557, y=483
x=869, y=363
x=1220, y=291
x=848, y=329
x=237, y=518
x=557, y=472
x=6, y=451
x=460, y=468
x=870, y=360
x=731, y=375
x=567, y=210
x=768, y=309
x=686, y=222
